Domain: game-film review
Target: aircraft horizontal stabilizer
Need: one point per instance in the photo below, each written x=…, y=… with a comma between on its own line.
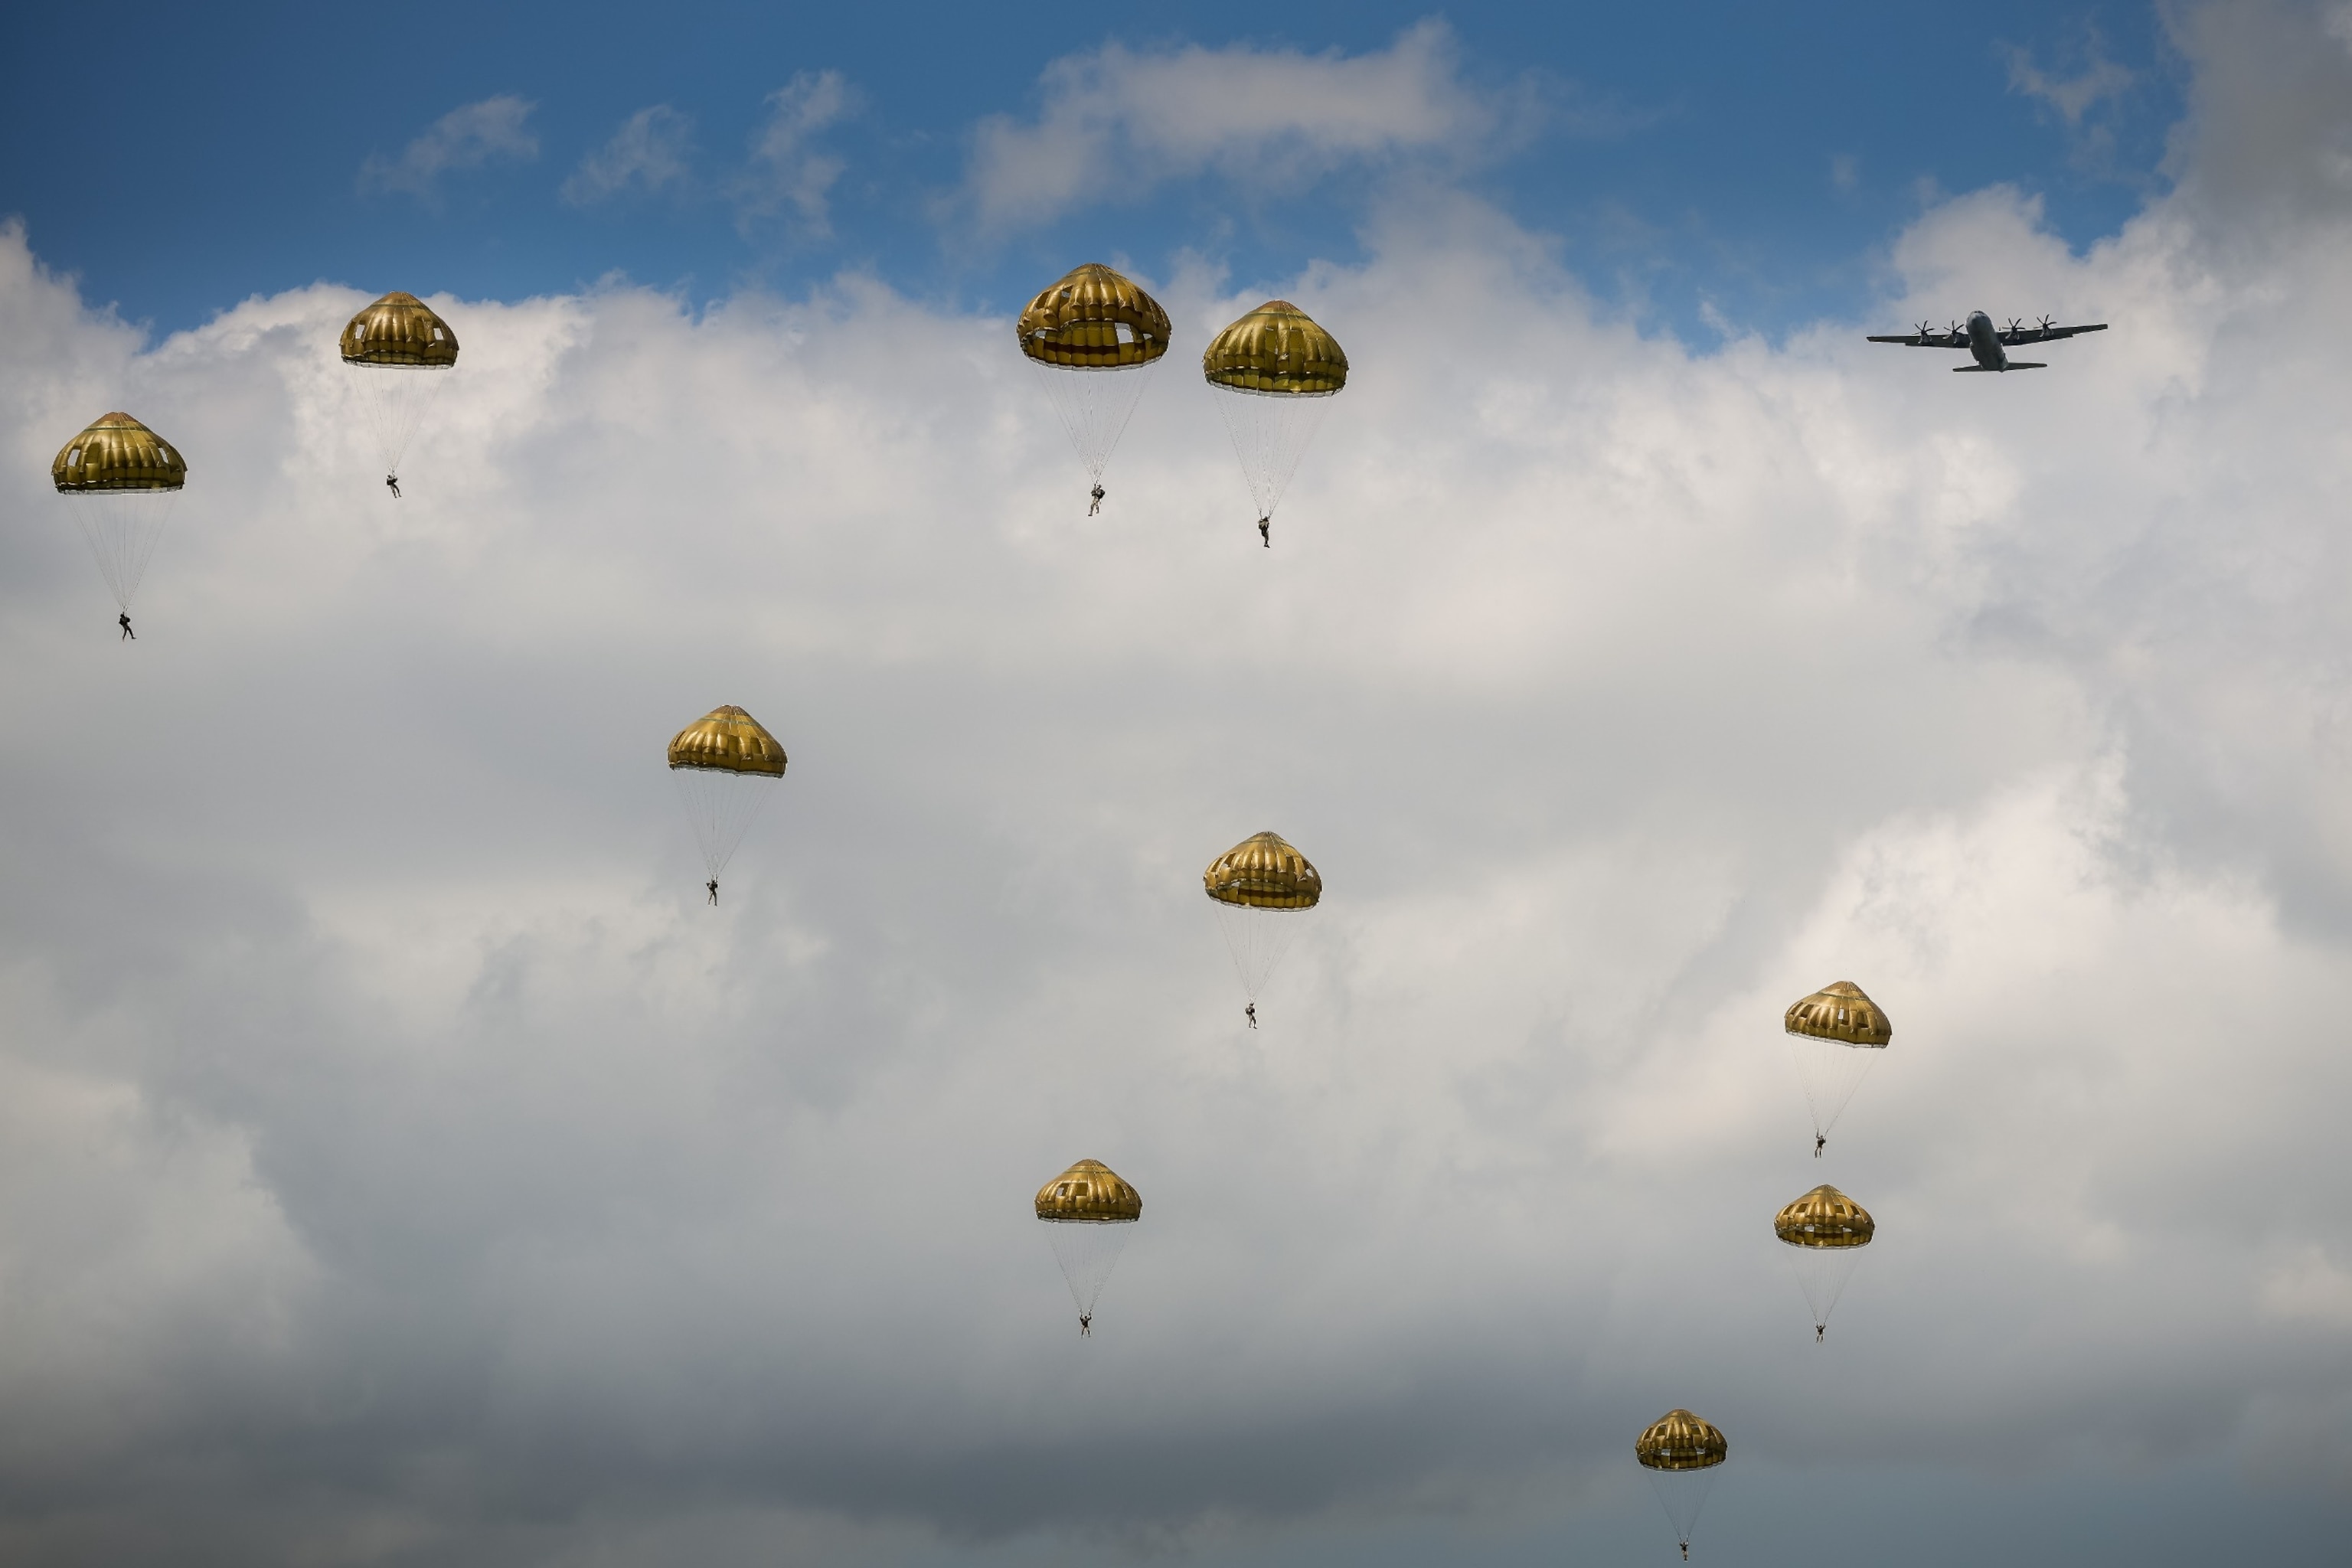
x=1987, y=370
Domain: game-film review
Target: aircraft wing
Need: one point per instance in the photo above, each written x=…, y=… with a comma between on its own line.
x=2048, y=334
x=1934, y=340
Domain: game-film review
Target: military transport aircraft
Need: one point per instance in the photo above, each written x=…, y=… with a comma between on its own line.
x=1990, y=347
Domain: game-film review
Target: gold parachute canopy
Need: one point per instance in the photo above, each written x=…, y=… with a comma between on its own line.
x=1276, y=349
x=1679, y=1440
x=1264, y=872
x=1094, y=319
x=1841, y=1013
x=728, y=739
x=400, y=330
x=1824, y=1218
x=1090, y=1192
x=117, y=453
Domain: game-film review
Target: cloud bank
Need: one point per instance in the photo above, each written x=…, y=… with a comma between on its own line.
x=401, y=1164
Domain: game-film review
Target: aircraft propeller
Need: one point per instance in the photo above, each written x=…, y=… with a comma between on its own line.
x=2047, y=323
x=2013, y=325
x=1955, y=329
x=1925, y=332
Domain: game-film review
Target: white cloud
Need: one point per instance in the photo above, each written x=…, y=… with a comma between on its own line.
x=2072, y=96
x=788, y=168
x=380, y=1092
x=1117, y=122
x=647, y=153
x=465, y=137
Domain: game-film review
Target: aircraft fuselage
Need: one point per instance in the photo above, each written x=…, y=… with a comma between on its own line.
x=1984, y=343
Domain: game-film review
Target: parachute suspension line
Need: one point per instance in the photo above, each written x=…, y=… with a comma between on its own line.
x=1095, y=404
x=722, y=805
x=1830, y=1071
x=1257, y=939
x=397, y=396
x=1271, y=432
x=1681, y=1493
x=1822, y=1274
x=121, y=529
x=1087, y=1250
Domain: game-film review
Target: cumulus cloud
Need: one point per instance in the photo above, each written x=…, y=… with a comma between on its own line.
x=466, y=138
x=647, y=153
x=399, y=1162
x=789, y=170
x=1116, y=121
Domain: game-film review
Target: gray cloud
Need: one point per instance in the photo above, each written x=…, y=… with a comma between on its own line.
x=647, y=153
x=465, y=137
x=398, y=1164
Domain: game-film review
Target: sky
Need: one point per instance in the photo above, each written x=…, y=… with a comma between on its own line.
x=401, y=1164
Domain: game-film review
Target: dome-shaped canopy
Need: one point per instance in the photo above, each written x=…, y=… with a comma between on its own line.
x=1679, y=1440
x=1264, y=872
x=117, y=453
x=1090, y=1191
x=1276, y=349
x=1824, y=1217
x=727, y=739
x=400, y=330
x=1094, y=319
x=1840, y=1011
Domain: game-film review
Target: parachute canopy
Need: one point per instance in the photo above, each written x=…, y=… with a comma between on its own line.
x=399, y=330
x=1824, y=1218
x=725, y=765
x=1276, y=351
x=1264, y=872
x=1841, y=1013
x=1088, y=1213
x=122, y=479
x=1094, y=336
x=1833, y=1035
x=1279, y=370
x=1094, y=319
x=728, y=739
x=117, y=453
x=1679, y=1440
x=1090, y=1193
x=389, y=345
